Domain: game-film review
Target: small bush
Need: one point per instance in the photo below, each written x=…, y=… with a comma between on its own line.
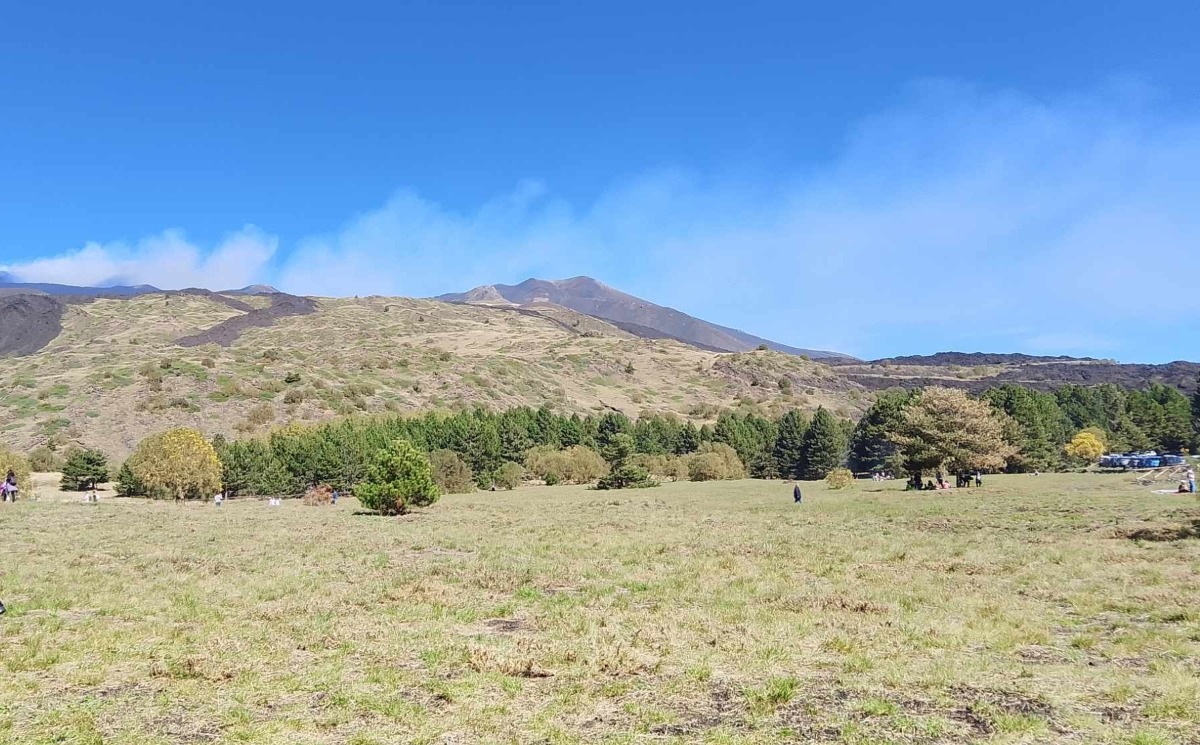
x=317, y=496
x=451, y=473
x=399, y=478
x=839, y=478
x=510, y=475
x=43, y=459
x=260, y=415
x=706, y=467
x=19, y=465
x=294, y=396
x=575, y=465
x=732, y=466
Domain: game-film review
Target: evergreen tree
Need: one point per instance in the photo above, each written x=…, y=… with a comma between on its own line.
x=789, y=444
x=824, y=446
x=399, y=478
x=622, y=474
x=1043, y=427
x=688, y=440
x=514, y=438
x=1196, y=417
x=610, y=425
x=84, y=469
x=871, y=446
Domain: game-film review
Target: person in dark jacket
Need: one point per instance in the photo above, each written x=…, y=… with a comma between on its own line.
x=797, y=497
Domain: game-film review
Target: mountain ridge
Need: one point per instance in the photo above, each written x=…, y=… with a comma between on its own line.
x=594, y=298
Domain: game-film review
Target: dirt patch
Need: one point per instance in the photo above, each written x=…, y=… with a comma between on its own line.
x=28, y=323
x=504, y=625
x=227, y=332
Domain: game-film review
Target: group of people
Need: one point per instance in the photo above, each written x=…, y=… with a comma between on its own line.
x=9, y=487
x=882, y=476
x=961, y=481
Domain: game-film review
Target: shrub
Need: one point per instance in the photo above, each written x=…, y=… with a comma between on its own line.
x=575, y=465
x=294, y=396
x=510, y=475
x=317, y=496
x=451, y=473
x=706, y=467
x=84, y=469
x=839, y=478
x=43, y=459
x=399, y=478
x=19, y=465
x=178, y=463
x=260, y=415
x=731, y=464
x=661, y=466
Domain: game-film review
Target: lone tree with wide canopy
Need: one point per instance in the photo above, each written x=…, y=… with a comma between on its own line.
x=946, y=428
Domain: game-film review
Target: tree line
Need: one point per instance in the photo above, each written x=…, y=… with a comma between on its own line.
x=1035, y=427
x=1010, y=428
x=552, y=446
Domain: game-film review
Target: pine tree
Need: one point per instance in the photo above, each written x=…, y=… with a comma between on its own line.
x=871, y=446
x=688, y=440
x=84, y=469
x=789, y=444
x=824, y=446
x=622, y=474
x=1196, y=417
x=399, y=478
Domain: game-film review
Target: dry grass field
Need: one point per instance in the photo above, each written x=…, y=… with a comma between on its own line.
x=115, y=374
x=1037, y=609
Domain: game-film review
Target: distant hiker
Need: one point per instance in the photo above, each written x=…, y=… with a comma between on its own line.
x=219, y=498
x=334, y=496
x=941, y=480
x=978, y=479
x=797, y=497
x=93, y=497
x=1191, y=479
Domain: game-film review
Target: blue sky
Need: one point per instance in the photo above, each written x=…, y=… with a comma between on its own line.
x=876, y=178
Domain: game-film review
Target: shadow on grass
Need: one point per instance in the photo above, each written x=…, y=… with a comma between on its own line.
x=1165, y=533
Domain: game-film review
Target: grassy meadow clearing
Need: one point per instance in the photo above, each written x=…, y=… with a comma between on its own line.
x=1060, y=608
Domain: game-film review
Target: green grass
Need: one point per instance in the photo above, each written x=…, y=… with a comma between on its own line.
x=1037, y=609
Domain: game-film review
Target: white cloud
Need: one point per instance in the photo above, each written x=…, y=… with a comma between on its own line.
x=956, y=215
x=167, y=261
x=955, y=210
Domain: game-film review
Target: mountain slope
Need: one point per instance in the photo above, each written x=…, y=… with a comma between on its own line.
x=979, y=371
x=107, y=371
x=586, y=295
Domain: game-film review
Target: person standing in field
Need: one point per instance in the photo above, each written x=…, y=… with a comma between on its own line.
x=797, y=497
x=10, y=486
x=1191, y=479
